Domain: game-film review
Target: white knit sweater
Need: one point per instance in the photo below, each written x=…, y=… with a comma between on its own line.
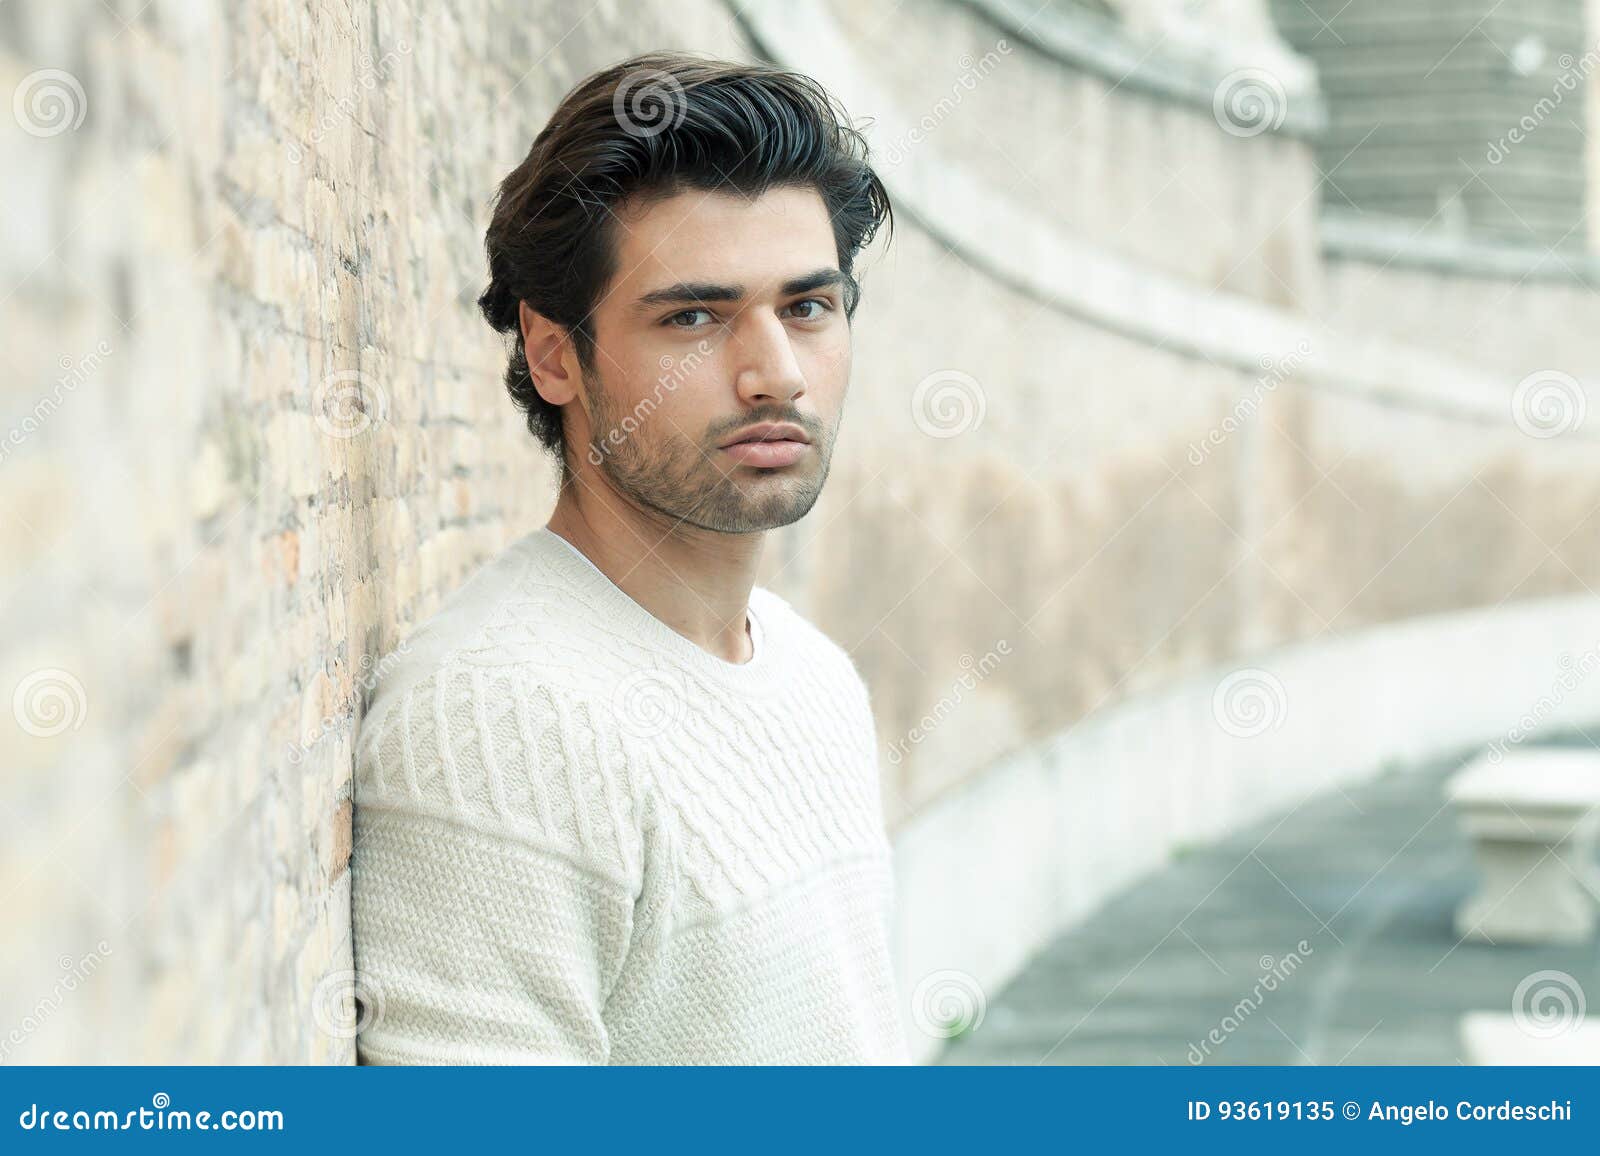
x=581, y=838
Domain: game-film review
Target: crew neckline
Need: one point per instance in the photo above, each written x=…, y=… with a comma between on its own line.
x=574, y=566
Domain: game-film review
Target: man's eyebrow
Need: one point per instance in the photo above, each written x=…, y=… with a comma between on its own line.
x=698, y=292
x=821, y=279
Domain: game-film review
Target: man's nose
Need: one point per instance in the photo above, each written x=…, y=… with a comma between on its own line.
x=767, y=369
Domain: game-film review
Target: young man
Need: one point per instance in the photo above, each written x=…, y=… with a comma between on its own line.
x=618, y=804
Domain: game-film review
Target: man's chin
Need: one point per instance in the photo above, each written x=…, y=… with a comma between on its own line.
x=749, y=510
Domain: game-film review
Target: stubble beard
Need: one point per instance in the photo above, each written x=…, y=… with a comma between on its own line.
x=676, y=478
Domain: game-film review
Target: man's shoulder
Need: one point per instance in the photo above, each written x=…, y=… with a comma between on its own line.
x=495, y=707
x=504, y=751
x=820, y=649
x=511, y=619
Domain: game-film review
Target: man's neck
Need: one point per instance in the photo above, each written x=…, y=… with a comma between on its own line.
x=695, y=581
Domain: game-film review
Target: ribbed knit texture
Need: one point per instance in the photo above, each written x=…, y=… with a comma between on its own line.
x=581, y=838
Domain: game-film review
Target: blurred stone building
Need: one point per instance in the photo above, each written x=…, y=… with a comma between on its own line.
x=1422, y=97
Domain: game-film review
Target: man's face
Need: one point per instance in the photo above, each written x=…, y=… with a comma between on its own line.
x=724, y=313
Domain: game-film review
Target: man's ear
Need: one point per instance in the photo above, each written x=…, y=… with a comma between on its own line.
x=551, y=359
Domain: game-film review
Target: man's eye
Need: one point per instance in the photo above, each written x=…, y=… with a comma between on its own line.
x=675, y=320
x=823, y=306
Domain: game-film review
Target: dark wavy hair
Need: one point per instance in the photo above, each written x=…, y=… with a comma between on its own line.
x=643, y=130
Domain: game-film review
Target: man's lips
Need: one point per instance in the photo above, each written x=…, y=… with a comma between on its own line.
x=768, y=454
x=770, y=431
x=769, y=444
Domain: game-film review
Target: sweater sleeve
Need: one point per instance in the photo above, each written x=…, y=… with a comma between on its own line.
x=490, y=879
